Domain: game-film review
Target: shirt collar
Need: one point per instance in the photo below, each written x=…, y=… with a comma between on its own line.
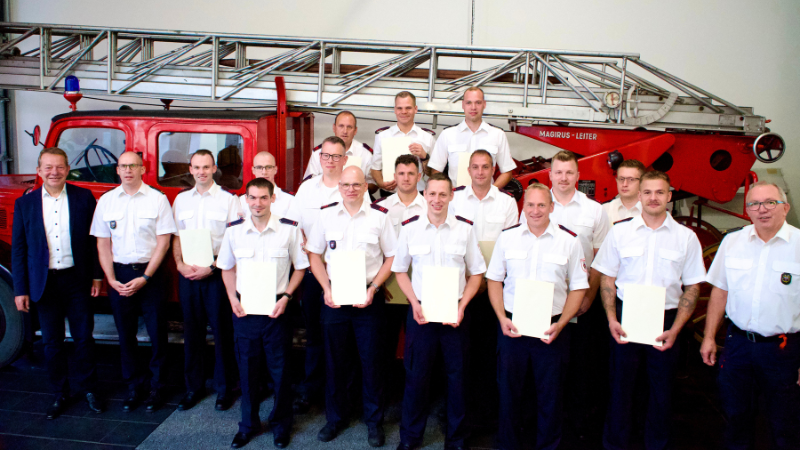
x=61, y=194
x=577, y=197
x=619, y=205
x=212, y=191
x=355, y=145
x=784, y=233
x=394, y=130
x=272, y=224
x=492, y=192
x=484, y=126
x=450, y=221
x=364, y=206
x=669, y=223
x=143, y=189
x=551, y=229
x=395, y=199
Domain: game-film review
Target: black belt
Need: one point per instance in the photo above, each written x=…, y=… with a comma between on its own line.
x=138, y=267
x=755, y=337
x=553, y=319
x=59, y=271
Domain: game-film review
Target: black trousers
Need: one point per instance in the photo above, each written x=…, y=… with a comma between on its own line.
x=205, y=301
x=587, y=372
x=65, y=296
x=481, y=377
x=625, y=360
x=423, y=343
x=770, y=367
x=314, y=382
x=526, y=359
x=260, y=340
x=150, y=301
x=343, y=329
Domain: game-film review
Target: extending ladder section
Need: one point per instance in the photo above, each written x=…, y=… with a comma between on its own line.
x=522, y=85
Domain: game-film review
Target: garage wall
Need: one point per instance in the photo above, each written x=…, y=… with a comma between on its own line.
x=740, y=50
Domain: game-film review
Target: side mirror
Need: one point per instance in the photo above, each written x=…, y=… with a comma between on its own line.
x=36, y=135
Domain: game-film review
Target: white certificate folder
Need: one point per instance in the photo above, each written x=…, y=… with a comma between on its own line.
x=257, y=286
x=440, y=294
x=348, y=277
x=533, y=307
x=643, y=313
x=392, y=148
x=196, y=247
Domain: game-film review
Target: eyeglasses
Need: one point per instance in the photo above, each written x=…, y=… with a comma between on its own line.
x=326, y=156
x=267, y=168
x=347, y=186
x=628, y=180
x=768, y=205
x=128, y=166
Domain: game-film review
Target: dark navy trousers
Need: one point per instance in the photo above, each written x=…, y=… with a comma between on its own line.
x=344, y=328
x=151, y=303
x=205, y=301
x=423, y=343
x=314, y=382
x=259, y=340
x=66, y=296
x=771, y=368
x=624, y=364
x=529, y=359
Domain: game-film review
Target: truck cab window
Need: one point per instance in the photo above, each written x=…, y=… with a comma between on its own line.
x=93, y=153
x=175, y=149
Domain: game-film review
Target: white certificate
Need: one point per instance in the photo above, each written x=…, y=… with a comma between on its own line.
x=348, y=277
x=643, y=313
x=391, y=148
x=196, y=247
x=487, y=248
x=353, y=161
x=533, y=307
x=463, y=178
x=257, y=286
x=440, y=294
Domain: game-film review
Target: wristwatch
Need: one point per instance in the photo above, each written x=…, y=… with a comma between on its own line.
x=146, y=277
x=371, y=284
x=427, y=157
x=212, y=267
x=287, y=295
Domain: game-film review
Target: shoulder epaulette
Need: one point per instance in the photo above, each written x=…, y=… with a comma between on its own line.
x=288, y=221
x=292, y=193
x=329, y=205
x=464, y=220
x=512, y=227
x=318, y=147
x=433, y=133
x=369, y=149
x=380, y=130
x=409, y=220
x=451, y=126
x=574, y=234
x=380, y=200
x=733, y=230
x=308, y=177
x=379, y=208
x=459, y=188
x=507, y=193
x=624, y=220
x=236, y=222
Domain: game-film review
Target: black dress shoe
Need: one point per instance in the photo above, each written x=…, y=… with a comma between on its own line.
x=376, y=436
x=95, y=404
x=189, y=400
x=402, y=446
x=241, y=439
x=328, y=432
x=154, y=401
x=130, y=403
x=281, y=440
x=224, y=402
x=301, y=405
x=58, y=407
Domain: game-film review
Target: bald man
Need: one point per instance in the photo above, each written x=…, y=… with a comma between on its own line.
x=348, y=226
x=264, y=166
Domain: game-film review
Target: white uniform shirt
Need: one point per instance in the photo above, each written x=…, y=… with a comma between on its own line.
x=212, y=211
x=668, y=256
x=312, y=195
x=55, y=211
x=399, y=212
x=583, y=216
x=459, y=142
x=281, y=206
x=280, y=242
x=133, y=222
x=453, y=244
x=369, y=230
x=762, y=280
x=356, y=149
x=555, y=257
x=616, y=211
x=496, y=212
x=417, y=135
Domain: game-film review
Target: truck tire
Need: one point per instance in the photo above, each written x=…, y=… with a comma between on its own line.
x=12, y=327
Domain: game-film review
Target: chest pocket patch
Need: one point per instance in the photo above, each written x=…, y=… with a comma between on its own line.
x=244, y=253
x=415, y=250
